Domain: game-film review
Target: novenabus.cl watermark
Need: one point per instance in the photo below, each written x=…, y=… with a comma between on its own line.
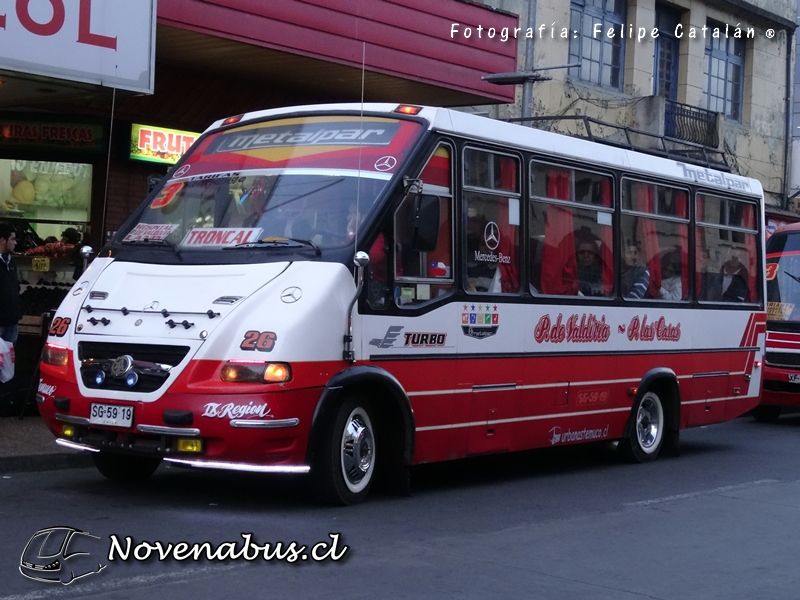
x=65, y=554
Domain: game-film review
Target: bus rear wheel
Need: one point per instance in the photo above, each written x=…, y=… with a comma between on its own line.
x=646, y=430
x=124, y=467
x=345, y=469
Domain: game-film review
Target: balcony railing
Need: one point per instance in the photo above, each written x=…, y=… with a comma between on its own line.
x=690, y=124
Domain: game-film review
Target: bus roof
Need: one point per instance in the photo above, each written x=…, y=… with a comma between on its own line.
x=521, y=137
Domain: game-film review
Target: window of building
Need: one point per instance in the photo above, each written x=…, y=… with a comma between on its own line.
x=727, y=241
x=571, y=232
x=724, y=72
x=601, y=57
x=492, y=210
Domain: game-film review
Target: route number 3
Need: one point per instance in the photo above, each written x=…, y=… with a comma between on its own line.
x=263, y=341
x=59, y=326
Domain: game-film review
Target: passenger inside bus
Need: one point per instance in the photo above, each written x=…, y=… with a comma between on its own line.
x=671, y=284
x=734, y=280
x=590, y=269
x=635, y=275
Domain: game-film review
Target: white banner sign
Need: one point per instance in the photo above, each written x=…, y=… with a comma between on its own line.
x=105, y=42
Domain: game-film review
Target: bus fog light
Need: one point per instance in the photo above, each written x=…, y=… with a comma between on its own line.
x=190, y=445
x=99, y=377
x=131, y=379
x=67, y=431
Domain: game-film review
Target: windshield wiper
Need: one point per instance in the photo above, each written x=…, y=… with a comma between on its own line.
x=147, y=242
x=278, y=243
x=795, y=277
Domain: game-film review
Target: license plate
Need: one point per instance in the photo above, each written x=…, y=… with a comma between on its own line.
x=794, y=378
x=109, y=414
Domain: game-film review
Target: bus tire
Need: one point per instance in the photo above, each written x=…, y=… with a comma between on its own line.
x=345, y=468
x=646, y=431
x=124, y=467
x=765, y=413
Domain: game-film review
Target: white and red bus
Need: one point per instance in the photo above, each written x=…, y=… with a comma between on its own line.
x=781, y=386
x=348, y=291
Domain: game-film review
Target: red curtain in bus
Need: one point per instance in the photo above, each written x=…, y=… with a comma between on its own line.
x=509, y=234
x=645, y=202
x=748, y=221
x=559, y=267
x=681, y=210
x=698, y=244
x=607, y=250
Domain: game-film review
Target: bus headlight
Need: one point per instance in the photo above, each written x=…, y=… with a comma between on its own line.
x=53, y=354
x=239, y=371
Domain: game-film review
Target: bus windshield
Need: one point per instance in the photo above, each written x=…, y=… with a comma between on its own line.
x=308, y=181
x=783, y=278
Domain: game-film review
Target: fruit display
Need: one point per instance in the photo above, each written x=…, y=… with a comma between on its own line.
x=48, y=184
x=52, y=249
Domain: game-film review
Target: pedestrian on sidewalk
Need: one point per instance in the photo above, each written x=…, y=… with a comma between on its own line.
x=10, y=303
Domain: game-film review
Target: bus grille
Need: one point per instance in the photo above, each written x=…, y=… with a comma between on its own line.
x=148, y=381
x=788, y=360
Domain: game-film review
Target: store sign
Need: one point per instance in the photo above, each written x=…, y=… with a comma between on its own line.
x=104, y=42
x=157, y=144
x=46, y=134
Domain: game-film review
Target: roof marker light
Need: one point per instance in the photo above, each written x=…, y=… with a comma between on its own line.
x=232, y=120
x=408, y=109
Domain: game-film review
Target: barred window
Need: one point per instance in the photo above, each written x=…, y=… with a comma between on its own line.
x=601, y=57
x=724, y=73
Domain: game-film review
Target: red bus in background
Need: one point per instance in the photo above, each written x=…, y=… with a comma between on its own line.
x=781, y=387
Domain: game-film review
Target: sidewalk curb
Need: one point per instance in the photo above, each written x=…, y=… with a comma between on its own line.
x=44, y=462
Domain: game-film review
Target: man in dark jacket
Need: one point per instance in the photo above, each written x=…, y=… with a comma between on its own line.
x=10, y=304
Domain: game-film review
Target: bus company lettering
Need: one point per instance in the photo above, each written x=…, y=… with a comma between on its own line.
x=236, y=411
x=425, y=339
x=578, y=329
x=639, y=330
x=580, y=435
x=46, y=390
x=491, y=257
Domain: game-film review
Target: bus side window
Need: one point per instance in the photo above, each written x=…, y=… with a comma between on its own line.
x=423, y=257
x=726, y=250
x=491, y=207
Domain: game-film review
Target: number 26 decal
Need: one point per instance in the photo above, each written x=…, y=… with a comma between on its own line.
x=59, y=326
x=263, y=341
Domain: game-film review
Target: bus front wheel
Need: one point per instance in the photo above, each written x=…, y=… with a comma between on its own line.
x=345, y=468
x=646, y=430
x=125, y=468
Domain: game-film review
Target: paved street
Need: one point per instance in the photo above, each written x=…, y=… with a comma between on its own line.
x=721, y=521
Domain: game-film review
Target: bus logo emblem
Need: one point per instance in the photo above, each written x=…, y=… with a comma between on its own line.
x=491, y=235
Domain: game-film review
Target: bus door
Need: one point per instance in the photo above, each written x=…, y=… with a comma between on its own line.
x=492, y=329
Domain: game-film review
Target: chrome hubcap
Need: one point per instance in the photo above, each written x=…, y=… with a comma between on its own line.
x=648, y=422
x=358, y=450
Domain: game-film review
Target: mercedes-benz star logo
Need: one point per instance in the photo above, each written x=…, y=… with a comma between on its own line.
x=292, y=294
x=385, y=163
x=182, y=171
x=121, y=365
x=491, y=235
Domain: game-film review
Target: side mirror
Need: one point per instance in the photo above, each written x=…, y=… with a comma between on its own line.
x=426, y=223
